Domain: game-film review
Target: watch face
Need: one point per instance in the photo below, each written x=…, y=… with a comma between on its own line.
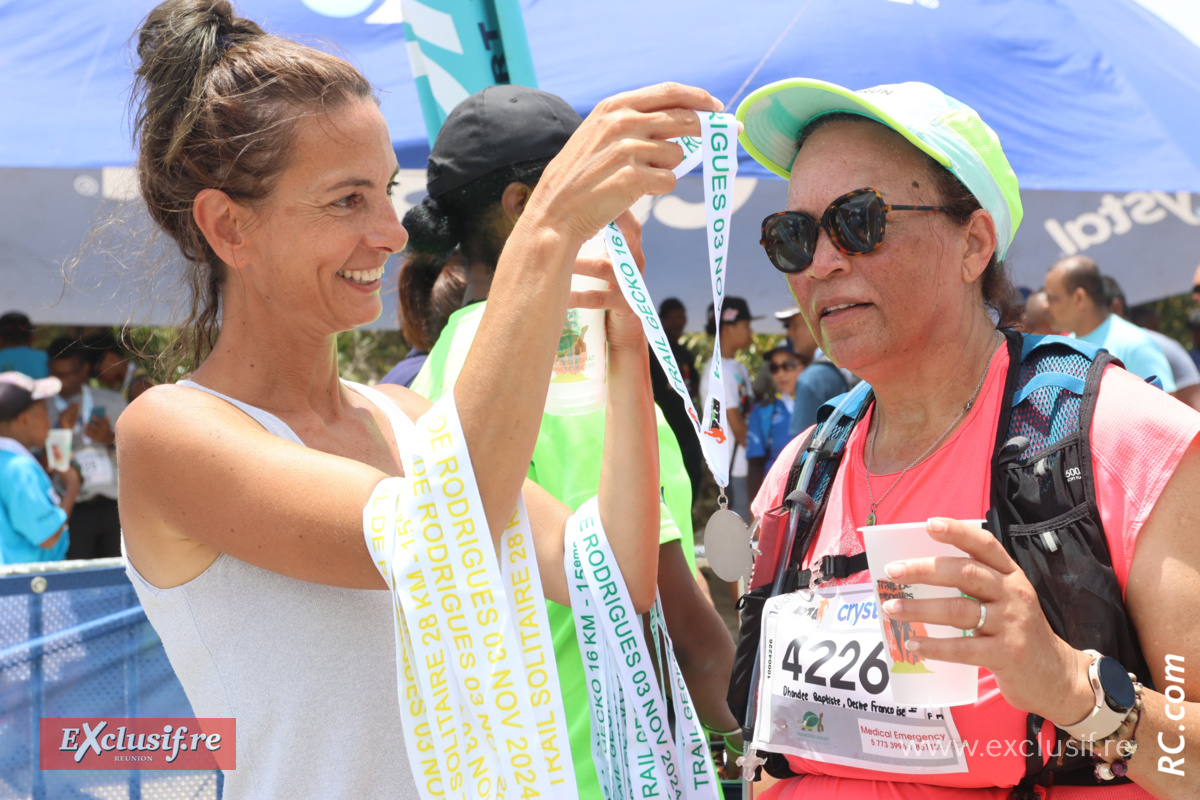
x=1118, y=688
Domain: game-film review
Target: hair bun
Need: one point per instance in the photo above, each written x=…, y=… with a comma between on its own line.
x=430, y=229
x=188, y=35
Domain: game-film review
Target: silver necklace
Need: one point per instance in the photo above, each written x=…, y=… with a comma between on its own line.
x=872, y=518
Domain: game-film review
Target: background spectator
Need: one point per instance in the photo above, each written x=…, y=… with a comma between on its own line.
x=1075, y=294
x=111, y=365
x=1183, y=369
x=92, y=414
x=1037, y=315
x=138, y=386
x=820, y=382
x=33, y=518
x=739, y=396
x=798, y=341
x=1193, y=321
x=767, y=429
x=673, y=315
x=16, y=347
x=430, y=288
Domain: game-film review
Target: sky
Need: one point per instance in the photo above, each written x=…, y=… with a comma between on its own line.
x=1182, y=14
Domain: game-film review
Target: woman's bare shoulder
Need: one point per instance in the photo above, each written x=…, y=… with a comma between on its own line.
x=199, y=477
x=177, y=417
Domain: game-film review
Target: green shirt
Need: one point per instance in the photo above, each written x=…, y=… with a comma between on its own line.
x=566, y=463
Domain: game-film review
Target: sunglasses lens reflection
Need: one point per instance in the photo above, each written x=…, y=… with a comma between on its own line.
x=789, y=241
x=856, y=222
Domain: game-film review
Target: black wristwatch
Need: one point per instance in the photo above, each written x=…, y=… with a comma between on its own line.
x=1115, y=698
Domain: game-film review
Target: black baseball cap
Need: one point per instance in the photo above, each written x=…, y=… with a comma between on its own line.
x=15, y=325
x=671, y=304
x=496, y=128
x=733, y=310
x=18, y=392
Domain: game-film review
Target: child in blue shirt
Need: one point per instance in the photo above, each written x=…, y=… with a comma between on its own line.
x=33, y=519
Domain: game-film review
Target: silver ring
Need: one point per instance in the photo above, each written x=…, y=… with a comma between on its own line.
x=982, y=620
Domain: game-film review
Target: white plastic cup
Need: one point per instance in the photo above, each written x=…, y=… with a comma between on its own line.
x=916, y=680
x=578, y=384
x=58, y=449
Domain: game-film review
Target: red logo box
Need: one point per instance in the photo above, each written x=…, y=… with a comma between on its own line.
x=147, y=743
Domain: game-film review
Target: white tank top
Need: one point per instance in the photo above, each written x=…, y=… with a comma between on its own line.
x=308, y=671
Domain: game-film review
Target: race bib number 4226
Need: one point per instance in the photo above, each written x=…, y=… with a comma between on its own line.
x=825, y=692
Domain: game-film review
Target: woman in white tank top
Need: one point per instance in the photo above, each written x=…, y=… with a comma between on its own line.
x=270, y=166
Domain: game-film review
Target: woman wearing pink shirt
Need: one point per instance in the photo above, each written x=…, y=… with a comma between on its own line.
x=916, y=314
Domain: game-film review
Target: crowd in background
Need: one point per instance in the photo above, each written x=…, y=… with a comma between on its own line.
x=99, y=377
x=76, y=385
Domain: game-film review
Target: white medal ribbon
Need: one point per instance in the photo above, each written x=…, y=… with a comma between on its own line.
x=628, y=705
x=480, y=698
x=379, y=526
x=690, y=737
x=718, y=152
x=527, y=602
x=693, y=153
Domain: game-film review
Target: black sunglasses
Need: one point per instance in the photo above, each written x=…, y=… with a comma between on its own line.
x=777, y=366
x=854, y=223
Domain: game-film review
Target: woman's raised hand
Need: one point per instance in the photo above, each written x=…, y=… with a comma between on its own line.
x=617, y=155
x=1036, y=671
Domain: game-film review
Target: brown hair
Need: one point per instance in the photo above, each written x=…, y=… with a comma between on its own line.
x=431, y=289
x=960, y=204
x=217, y=101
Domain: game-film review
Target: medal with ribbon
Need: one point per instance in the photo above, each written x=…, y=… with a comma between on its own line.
x=726, y=536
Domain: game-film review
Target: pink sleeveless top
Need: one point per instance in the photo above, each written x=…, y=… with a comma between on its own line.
x=1139, y=434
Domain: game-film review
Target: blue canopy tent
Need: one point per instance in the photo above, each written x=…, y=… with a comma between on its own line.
x=1096, y=101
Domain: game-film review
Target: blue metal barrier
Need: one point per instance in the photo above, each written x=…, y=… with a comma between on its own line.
x=74, y=642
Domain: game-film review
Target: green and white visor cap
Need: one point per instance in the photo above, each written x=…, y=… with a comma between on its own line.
x=937, y=124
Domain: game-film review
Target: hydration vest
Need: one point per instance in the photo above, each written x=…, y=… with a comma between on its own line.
x=1043, y=511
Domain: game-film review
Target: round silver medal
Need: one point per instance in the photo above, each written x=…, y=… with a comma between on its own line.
x=727, y=545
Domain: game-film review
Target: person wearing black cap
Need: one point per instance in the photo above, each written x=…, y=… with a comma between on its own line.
x=739, y=395
x=16, y=351
x=483, y=168
x=673, y=315
x=33, y=518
